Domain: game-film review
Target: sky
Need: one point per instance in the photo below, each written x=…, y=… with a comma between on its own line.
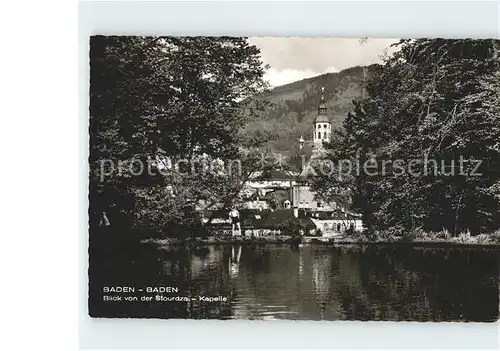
x=293, y=59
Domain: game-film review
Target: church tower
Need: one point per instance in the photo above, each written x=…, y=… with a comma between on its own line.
x=322, y=129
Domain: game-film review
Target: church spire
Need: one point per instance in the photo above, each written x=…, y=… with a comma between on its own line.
x=322, y=105
x=322, y=126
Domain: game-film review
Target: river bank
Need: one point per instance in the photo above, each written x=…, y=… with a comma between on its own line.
x=483, y=240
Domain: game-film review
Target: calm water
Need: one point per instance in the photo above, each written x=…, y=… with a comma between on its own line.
x=307, y=283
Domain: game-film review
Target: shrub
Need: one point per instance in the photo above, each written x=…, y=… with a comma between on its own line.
x=349, y=231
x=444, y=234
x=495, y=237
x=414, y=234
x=293, y=228
x=397, y=231
x=483, y=238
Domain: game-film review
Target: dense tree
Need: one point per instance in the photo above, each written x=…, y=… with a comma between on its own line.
x=433, y=104
x=157, y=99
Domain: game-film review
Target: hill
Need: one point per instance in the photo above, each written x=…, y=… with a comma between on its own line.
x=289, y=110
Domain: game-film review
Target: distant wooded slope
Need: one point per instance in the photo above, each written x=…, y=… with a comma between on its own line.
x=290, y=110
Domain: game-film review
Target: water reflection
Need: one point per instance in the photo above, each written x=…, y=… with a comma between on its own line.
x=234, y=261
x=313, y=283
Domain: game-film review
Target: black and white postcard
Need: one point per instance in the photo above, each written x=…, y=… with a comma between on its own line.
x=294, y=178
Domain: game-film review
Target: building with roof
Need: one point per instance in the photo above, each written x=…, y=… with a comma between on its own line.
x=272, y=179
x=333, y=223
x=260, y=222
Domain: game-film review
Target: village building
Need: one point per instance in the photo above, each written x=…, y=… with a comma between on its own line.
x=273, y=197
x=255, y=223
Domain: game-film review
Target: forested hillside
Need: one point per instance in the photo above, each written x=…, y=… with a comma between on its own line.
x=288, y=111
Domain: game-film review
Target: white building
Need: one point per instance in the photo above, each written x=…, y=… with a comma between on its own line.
x=322, y=131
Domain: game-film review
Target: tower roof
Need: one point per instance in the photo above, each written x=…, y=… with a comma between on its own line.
x=322, y=119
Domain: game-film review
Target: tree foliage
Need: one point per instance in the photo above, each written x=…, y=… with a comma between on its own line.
x=435, y=101
x=163, y=98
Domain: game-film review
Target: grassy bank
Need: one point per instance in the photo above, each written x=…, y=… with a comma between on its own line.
x=421, y=237
x=415, y=237
x=220, y=240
